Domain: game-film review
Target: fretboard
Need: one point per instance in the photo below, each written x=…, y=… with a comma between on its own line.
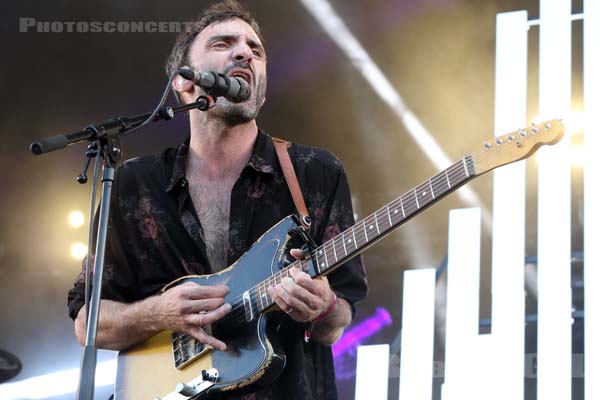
x=365, y=233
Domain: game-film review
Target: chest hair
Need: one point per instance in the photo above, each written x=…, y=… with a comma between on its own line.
x=212, y=199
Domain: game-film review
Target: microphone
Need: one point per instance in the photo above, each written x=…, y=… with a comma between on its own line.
x=232, y=88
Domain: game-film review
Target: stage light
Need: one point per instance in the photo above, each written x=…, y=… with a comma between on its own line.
x=574, y=122
x=463, y=342
x=554, y=330
x=418, y=316
x=372, y=364
x=76, y=219
x=508, y=234
x=57, y=383
x=78, y=251
x=577, y=154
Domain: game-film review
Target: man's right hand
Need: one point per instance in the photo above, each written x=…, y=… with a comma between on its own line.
x=189, y=306
x=185, y=308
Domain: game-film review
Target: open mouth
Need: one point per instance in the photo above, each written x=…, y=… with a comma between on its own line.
x=247, y=76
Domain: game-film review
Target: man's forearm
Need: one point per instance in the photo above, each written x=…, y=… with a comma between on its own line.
x=185, y=308
x=120, y=325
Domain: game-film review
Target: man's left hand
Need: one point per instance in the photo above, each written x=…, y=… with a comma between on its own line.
x=303, y=298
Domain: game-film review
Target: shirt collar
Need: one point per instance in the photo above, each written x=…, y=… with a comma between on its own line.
x=263, y=159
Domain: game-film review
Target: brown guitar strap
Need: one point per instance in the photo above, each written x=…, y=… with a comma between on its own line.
x=281, y=148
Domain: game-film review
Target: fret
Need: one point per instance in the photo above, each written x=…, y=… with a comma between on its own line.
x=416, y=198
x=457, y=174
x=344, y=244
x=316, y=260
x=470, y=166
x=395, y=208
x=402, y=207
x=431, y=188
x=354, y=238
x=334, y=252
x=365, y=229
x=260, y=295
x=302, y=267
x=389, y=215
x=465, y=166
x=424, y=190
x=264, y=297
x=371, y=224
x=438, y=184
x=448, y=179
x=321, y=263
x=377, y=224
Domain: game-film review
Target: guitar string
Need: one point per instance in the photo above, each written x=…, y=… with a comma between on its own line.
x=410, y=203
x=407, y=200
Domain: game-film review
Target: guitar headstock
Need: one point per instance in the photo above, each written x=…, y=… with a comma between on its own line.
x=517, y=145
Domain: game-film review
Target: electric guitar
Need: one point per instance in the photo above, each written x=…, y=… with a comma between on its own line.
x=175, y=366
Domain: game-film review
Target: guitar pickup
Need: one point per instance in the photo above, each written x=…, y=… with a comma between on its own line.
x=248, y=306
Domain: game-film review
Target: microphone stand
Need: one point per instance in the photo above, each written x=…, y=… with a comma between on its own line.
x=106, y=136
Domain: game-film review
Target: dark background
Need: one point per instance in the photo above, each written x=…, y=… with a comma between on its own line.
x=438, y=54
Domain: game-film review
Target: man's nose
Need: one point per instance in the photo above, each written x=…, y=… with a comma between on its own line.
x=242, y=52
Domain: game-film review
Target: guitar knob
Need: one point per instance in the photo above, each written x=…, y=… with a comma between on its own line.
x=185, y=390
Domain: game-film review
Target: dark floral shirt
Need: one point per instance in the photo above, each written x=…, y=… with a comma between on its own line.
x=155, y=237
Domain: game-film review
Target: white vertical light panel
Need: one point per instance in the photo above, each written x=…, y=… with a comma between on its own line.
x=372, y=363
x=554, y=208
x=462, y=306
x=418, y=315
x=591, y=89
x=508, y=233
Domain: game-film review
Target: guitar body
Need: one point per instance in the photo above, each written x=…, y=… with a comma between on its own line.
x=253, y=357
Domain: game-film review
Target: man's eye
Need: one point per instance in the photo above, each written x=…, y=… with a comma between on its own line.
x=220, y=45
x=256, y=53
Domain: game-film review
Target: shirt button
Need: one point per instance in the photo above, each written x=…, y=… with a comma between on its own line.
x=183, y=182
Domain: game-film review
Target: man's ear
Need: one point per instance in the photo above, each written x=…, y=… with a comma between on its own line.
x=182, y=85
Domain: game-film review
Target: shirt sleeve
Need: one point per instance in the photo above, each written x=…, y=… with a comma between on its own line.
x=349, y=281
x=119, y=280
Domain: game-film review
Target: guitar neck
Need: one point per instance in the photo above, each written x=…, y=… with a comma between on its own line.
x=494, y=153
x=365, y=233
x=384, y=221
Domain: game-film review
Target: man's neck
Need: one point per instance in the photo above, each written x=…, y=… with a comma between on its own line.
x=218, y=150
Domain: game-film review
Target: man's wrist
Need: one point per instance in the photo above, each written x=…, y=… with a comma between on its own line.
x=311, y=325
x=328, y=311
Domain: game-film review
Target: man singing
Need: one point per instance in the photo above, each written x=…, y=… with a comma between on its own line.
x=195, y=209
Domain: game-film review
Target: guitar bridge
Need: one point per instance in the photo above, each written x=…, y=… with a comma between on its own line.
x=187, y=348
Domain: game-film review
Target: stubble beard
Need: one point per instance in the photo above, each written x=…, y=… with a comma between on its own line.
x=233, y=114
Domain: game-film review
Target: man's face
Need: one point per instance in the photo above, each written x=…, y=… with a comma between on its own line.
x=232, y=48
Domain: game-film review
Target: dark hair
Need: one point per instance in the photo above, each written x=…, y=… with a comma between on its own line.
x=219, y=12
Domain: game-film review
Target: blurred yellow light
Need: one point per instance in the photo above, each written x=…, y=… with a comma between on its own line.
x=577, y=155
x=76, y=219
x=573, y=126
x=573, y=121
x=78, y=251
